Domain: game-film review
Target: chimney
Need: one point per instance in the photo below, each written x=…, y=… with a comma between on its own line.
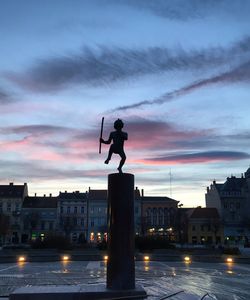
x=142, y=192
x=207, y=188
x=35, y=194
x=50, y=195
x=214, y=181
x=89, y=188
x=11, y=183
x=44, y=195
x=65, y=192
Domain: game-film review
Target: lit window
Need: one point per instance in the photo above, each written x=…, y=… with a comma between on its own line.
x=92, y=236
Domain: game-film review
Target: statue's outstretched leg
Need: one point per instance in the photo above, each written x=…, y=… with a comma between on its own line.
x=123, y=158
x=109, y=155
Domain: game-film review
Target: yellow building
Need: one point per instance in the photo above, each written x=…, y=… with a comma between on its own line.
x=205, y=226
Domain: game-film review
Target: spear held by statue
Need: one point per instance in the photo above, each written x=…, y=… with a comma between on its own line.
x=100, y=143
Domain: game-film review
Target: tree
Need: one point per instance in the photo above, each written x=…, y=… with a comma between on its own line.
x=215, y=225
x=4, y=227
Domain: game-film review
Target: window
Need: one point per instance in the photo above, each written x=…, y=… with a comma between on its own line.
x=194, y=239
x=75, y=210
x=218, y=240
x=74, y=237
x=82, y=210
x=92, y=222
x=75, y=221
x=166, y=217
x=203, y=240
x=42, y=225
x=61, y=209
x=17, y=206
x=136, y=210
x=8, y=206
x=160, y=213
x=51, y=225
x=202, y=227
x=99, y=209
x=68, y=209
x=154, y=216
x=82, y=221
x=1, y=206
x=148, y=216
x=193, y=228
x=210, y=239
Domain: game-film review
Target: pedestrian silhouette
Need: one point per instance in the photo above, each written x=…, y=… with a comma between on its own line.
x=118, y=137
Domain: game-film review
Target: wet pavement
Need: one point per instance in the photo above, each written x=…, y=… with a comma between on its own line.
x=222, y=281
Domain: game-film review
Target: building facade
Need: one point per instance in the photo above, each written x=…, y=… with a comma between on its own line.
x=72, y=215
x=11, y=202
x=39, y=218
x=159, y=216
x=205, y=227
x=232, y=200
x=97, y=215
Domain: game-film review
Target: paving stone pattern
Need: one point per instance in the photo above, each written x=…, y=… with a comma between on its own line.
x=186, y=281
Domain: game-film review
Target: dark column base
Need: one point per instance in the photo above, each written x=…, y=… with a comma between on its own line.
x=121, y=265
x=76, y=292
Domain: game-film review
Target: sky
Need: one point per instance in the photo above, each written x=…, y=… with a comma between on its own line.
x=176, y=72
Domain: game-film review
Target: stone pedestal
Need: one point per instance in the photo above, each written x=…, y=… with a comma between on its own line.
x=121, y=264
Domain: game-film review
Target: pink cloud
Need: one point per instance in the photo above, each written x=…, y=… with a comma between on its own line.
x=198, y=157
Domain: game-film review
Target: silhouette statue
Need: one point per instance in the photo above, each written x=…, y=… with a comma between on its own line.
x=118, y=137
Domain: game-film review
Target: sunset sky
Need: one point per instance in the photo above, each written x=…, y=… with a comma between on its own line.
x=176, y=72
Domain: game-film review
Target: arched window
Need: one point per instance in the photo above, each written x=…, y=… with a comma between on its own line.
x=166, y=217
x=154, y=216
x=172, y=214
x=149, y=216
x=160, y=216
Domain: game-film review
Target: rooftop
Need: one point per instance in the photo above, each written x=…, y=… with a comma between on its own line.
x=40, y=202
x=72, y=196
x=12, y=190
x=205, y=213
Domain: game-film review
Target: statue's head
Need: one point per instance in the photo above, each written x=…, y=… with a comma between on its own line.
x=118, y=124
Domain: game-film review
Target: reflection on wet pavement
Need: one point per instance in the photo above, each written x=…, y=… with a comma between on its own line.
x=227, y=281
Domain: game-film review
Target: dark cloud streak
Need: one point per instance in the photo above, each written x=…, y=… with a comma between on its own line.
x=239, y=74
x=105, y=66
x=5, y=98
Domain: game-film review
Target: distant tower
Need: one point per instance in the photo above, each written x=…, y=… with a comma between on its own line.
x=247, y=174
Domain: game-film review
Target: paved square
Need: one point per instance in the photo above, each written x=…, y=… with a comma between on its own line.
x=221, y=281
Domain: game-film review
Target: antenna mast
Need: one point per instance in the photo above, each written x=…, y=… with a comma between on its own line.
x=170, y=183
